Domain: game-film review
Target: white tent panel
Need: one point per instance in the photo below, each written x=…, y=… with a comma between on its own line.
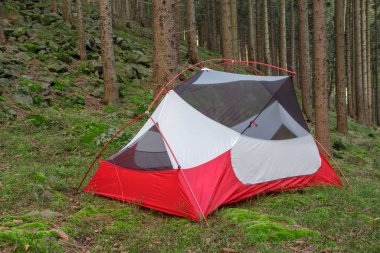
x=210, y=76
x=193, y=137
x=258, y=161
x=148, y=124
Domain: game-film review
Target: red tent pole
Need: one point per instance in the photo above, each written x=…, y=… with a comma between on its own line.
x=336, y=164
x=178, y=165
x=104, y=147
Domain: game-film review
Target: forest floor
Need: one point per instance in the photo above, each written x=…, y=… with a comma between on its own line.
x=53, y=124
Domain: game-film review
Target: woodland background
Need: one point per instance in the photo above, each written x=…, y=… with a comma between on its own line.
x=73, y=72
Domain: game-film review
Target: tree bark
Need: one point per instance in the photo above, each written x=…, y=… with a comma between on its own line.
x=340, y=81
x=364, y=59
x=251, y=31
x=67, y=11
x=360, y=111
x=226, y=36
x=234, y=29
x=320, y=65
x=273, y=36
x=164, y=41
x=348, y=33
x=293, y=63
x=53, y=6
x=192, y=52
x=304, y=70
x=214, y=44
x=178, y=19
x=3, y=39
x=266, y=37
x=283, y=51
x=376, y=62
x=111, y=87
x=81, y=40
x=368, y=53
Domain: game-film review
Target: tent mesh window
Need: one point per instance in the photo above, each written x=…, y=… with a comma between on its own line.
x=263, y=109
x=146, y=153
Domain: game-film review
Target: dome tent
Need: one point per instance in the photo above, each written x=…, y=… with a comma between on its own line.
x=215, y=139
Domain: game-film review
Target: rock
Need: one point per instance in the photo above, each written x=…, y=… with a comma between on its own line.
x=65, y=58
x=25, y=99
x=42, y=52
x=9, y=73
x=1, y=68
x=4, y=82
x=118, y=40
x=45, y=89
x=19, y=32
x=141, y=71
x=52, y=45
x=23, y=49
x=27, y=77
x=96, y=66
x=98, y=92
x=2, y=48
x=144, y=60
x=22, y=39
x=131, y=73
x=47, y=195
x=46, y=213
x=58, y=67
x=61, y=234
x=23, y=57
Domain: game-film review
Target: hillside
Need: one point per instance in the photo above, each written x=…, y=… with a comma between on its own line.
x=53, y=122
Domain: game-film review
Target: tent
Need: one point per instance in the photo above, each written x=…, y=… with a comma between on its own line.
x=215, y=139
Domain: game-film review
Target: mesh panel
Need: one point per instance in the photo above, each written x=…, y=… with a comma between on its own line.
x=227, y=103
x=147, y=153
x=283, y=133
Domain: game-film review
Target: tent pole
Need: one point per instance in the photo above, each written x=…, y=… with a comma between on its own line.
x=336, y=164
x=104, y=147
x=179, y=166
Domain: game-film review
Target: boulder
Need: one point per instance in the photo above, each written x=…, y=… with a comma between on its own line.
x=24, y=99
x=19, y=32
x=22, y=57
x=57, y=66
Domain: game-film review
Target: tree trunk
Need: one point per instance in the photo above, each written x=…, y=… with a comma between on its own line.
x=368, y=53
x=364, y=59
x=360, y=111
x=3, y=39
x=266, y=37
x=252, y=31
x=214, y=44
x=273, y=36
x=81, y=39
x=53, y=6
x=178, y=19
x=226, y=36
x=376, y=62
x=293, y=64
x=340, y=81
x=283, y=51
x=234, y=29
x=111, y=88
x=320, y=65
x=304, y=70
x=348, y=29
x=192, y=52
x=164, y=41
x=67, y=11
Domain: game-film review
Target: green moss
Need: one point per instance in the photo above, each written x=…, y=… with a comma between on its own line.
x=39, y=121
x=39, y=177
x=266, y=228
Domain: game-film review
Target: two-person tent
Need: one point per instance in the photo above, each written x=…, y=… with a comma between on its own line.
x=215, y=139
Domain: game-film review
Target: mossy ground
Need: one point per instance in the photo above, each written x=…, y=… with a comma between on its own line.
x=45, y=152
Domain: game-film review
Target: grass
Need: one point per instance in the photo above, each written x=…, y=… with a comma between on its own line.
x=44, y=156
x=45, y=152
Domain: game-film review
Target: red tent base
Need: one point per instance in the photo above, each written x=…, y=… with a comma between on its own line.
x=205, y=188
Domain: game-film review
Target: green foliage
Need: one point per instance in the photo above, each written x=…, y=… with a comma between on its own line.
x=39, y=121
x=262, y=227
